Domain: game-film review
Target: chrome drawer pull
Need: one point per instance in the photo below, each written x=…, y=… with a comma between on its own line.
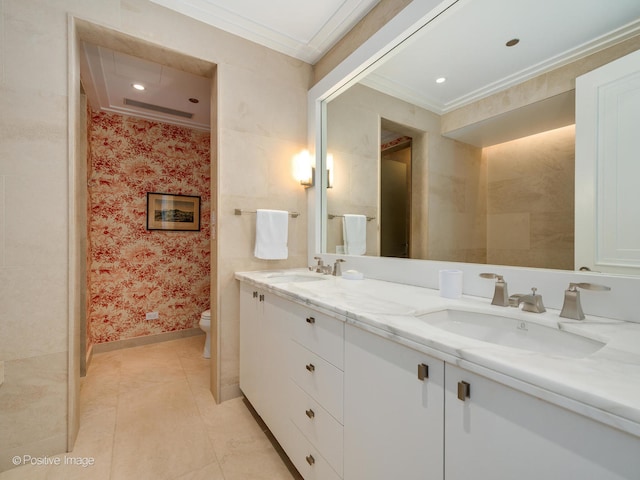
x=311, y=320
x=310, y=367
x=310, y=413
x=310, y=459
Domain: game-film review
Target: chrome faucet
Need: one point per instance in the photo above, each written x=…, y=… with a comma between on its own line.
x=500, y=295
x=571, y=308
x=320, y=267
x=530, y=303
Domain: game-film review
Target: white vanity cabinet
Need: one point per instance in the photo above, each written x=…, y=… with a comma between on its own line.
x=345, y=402
x=251, y=313
x=291, y=370
x=393, y=412
x=316, y=401
x=264, y=336
x=493, y=431
x=456, y=425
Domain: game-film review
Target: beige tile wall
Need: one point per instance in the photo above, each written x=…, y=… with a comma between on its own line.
x=530, y=202
x=262, y=123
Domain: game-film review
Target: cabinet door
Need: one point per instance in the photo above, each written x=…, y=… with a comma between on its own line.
x=264, y=339
x=500, y=433
x=274, y=358
x=607, y=231
x=250, y=345
x=393, y=420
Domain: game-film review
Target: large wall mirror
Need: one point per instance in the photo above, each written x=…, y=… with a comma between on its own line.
x=459, y=144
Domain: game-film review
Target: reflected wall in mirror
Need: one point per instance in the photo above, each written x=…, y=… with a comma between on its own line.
x=490, y=173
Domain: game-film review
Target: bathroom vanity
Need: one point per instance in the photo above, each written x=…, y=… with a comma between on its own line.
x=357, y=381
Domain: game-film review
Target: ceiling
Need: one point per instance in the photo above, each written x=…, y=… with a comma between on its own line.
x=466, y=46
x=307, y=31
x=170, y=95
x=303, y=29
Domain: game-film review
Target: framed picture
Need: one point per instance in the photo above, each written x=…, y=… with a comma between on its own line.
x=173, y=212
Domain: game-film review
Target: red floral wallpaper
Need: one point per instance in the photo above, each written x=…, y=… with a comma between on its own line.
x=132, y=270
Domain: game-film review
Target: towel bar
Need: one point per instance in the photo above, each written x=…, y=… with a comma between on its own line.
x=332, y=216
x=239, y=211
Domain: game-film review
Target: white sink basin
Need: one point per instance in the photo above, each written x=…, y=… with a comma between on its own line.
x=293, y=278
x=511, y=332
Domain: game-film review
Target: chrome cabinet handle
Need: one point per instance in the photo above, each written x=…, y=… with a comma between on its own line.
x=311, y=320
x=310, y=460
x=311, y=367
x=310, y=413
x=423, y=371
x=464, y=391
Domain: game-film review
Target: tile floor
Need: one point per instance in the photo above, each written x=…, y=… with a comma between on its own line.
x=147, y=413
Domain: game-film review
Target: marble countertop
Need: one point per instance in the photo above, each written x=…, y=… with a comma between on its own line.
x=604, y=386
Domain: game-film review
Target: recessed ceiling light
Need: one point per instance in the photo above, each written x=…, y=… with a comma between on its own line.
x=138, y=86
x=441, y=80
x=513, y=42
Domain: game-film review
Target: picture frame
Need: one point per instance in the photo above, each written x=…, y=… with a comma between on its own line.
x=166, y=211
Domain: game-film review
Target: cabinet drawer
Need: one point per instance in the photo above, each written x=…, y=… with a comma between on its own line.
x=318, y=378
x=308, y=460
x=320, y=428
x=319, y=333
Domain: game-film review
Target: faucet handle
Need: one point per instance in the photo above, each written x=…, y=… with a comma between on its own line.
x=500, y=294
x=572, y=308
x=588, y=286
x=499, y=278
x=319, y=259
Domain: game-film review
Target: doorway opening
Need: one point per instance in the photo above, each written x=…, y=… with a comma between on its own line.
x=86, y=32
x=396, y=152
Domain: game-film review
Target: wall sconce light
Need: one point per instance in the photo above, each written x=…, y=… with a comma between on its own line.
x=329, y=170
x=303, y=170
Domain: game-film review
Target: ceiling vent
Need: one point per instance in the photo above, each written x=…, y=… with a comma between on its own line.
x=157, y=108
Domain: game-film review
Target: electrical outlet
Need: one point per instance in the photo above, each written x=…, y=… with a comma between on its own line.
x=152, y=316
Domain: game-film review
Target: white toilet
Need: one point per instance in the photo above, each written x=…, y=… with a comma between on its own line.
x=205, y=325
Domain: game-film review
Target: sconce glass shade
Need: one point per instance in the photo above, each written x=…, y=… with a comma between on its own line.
x=303, y=169
x=329, y=170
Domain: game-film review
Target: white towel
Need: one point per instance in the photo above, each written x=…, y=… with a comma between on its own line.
x=354, y=230
x=272, y=231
